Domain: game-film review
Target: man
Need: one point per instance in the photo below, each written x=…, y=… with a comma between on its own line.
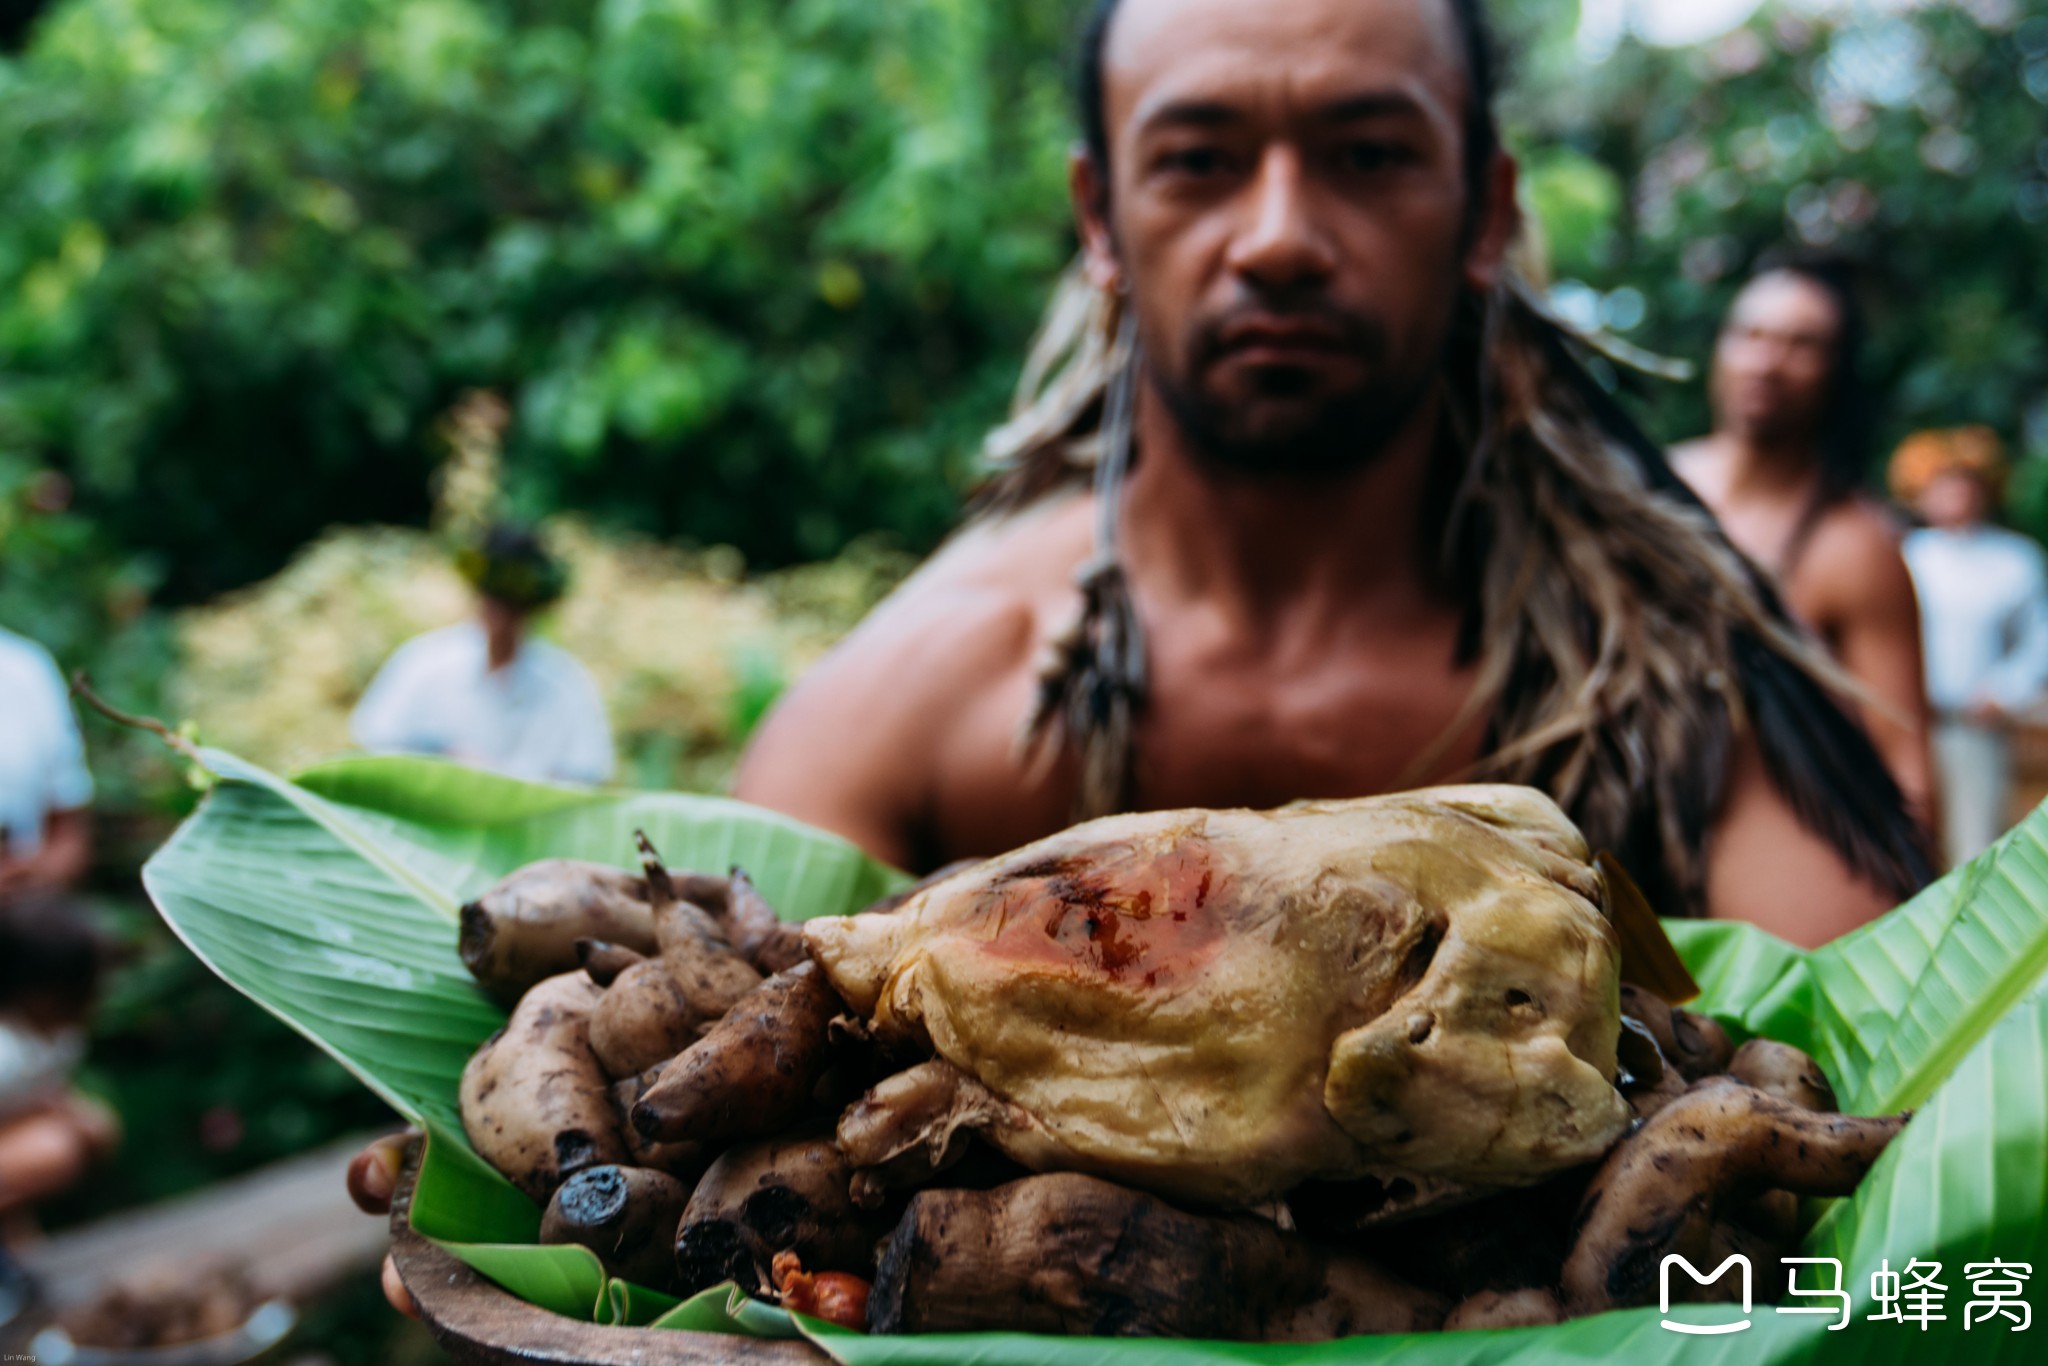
x=1984, y=599
x=1310, y=585
x=1345, y=583
x=1783, y=471
x=45, y=826
x=484, y=692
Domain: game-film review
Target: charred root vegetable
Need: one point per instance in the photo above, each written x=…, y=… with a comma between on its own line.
x=626, y=1215
x=1664, y=1189
x=526, y=927
x=753, y=1073
x=535, y=1103
x=763, y=1199
x=1527, y=1308
x=1076, y=1255
x=701, y=960
x=1779, y=1069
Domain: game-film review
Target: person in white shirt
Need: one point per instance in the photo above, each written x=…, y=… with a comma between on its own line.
x=486, y=693
x=45, y=831
x=1984, y=616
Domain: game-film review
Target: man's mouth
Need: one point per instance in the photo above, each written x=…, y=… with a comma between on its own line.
x=1275, y=341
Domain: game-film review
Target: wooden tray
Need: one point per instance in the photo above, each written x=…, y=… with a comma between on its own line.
x=479, y=1324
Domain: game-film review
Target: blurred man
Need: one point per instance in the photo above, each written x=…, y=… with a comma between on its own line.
x=486, y=693
x=1783, y=471
x=1984, y=602
x=45, y=828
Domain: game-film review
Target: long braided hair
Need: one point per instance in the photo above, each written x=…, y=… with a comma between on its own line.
x=1621, y=642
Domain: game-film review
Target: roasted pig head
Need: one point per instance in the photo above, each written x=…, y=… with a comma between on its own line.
x=1220, y=1005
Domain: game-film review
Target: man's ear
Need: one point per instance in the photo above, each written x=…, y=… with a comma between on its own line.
x=1088, y=187
x=1497, y=226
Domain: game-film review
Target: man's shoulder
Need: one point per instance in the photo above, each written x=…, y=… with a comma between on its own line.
x=1856, y=553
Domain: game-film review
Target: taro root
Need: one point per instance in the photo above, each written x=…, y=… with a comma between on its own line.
x=604, y=962
x=1695, y=1044
x=763, y=938
x=700, y=958
x=1219, y=1005
x=1530, y=1307
x=626, y=1215
x=535, y=1103
x=1074, y=1255
x=1666, y=1188
x=684, y=1161
x=525, y=928
x=643, y=1020
x=754, y=1073
x=1779, y=1069
x=761, y=1199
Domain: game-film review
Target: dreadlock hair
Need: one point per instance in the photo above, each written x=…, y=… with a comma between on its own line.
x=1621, y=641
x=1847, y=412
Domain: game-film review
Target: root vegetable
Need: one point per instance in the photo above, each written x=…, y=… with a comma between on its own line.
x=754, y=1072
x=626, y=1215
x=1695, y=1044
x=761, y=1199
x=1530, y=1308
x=1779, y=1069
x=1076, y=1255
x=525, y=928
x=535, y=1103
x=1663, y=1189
x=644, y=1020
x=763, y=938
x=604, y=961
x=684, y=1161
x=707, y=970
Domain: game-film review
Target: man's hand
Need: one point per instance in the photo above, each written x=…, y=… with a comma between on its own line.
x=372, y=1181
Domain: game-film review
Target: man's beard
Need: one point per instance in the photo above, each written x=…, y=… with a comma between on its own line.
x=1339, y=434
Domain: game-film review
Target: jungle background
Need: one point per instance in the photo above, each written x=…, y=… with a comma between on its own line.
x=751, y=281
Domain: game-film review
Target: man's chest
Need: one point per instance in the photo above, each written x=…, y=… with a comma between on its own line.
x=1220, y=732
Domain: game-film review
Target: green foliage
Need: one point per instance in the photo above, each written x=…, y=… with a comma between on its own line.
x=753, y=274
x=1915, y=142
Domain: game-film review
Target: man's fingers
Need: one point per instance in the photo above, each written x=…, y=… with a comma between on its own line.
x=395, y=1291
x=373, y=1173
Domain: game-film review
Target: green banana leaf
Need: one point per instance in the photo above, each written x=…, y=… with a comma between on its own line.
x=331, y=901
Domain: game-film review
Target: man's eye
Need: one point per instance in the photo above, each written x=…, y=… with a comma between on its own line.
x=1193, y=161
x=1370, y=156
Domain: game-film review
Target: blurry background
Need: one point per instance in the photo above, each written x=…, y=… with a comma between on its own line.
x=754, y=278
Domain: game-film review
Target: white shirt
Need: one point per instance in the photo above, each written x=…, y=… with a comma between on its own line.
x=1983, y=616
x=42, y=758
x=539, y=717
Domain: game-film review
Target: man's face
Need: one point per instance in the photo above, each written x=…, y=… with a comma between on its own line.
x=1954, y=501
x=1287, y=207
x=1775, y=359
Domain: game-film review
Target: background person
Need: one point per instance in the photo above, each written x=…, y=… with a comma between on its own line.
x=1984, y=604
x=485, y=692
x=45, y=789
x=1783, y=471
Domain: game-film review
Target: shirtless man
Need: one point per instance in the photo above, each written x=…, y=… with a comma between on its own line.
x=1303, y=207
x=1783, y=471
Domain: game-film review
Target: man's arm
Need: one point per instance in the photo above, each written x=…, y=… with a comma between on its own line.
x=1862, y=600
x=856, y=747
x=1764, y=867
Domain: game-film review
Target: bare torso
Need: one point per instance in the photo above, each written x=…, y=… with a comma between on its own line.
x=931, y=694
x=1843, y=576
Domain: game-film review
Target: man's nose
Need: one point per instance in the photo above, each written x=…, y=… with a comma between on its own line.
x=1282, y=243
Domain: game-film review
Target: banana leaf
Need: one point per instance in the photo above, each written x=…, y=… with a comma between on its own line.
x=330, y=900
